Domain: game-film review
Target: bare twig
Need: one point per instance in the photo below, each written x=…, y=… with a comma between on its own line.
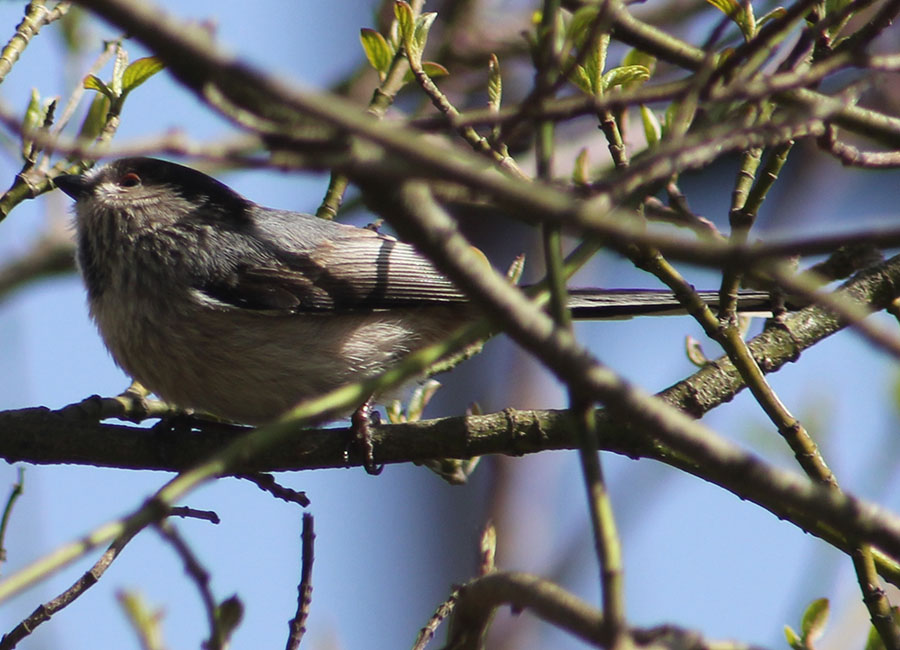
x=218, y=638
x=36, y=16
x=267, y=483
x=297, y=624
x=45, y=611
x=478, y=599
x=192, y=513
x=14, y=494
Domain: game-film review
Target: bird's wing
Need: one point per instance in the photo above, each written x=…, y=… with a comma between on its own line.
x=333, y=267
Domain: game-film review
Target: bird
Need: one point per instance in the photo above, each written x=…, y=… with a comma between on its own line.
x=223, y=306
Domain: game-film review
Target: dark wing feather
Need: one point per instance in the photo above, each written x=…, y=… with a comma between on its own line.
x=327, y=266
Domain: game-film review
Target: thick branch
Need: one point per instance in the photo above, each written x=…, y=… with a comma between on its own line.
x=39, y=435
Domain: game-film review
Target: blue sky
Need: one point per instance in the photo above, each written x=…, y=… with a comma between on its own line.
x=389, y=547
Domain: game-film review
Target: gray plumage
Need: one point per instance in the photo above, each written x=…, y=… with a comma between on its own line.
x=218, y=304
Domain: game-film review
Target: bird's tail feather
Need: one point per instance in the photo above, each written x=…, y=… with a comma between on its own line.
x=627, y=303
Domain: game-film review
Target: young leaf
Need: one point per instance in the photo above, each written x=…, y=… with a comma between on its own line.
x=728, y=7
x=652, y=127
x=394, y=412
x=420, y=398
x=71, y=26
x=742, y=15
x=580, y=78
x=777, y=12
x=435, y=70
x=229, y=614
x=377, y=50
x=487, y=547
x=814, y=619
x=139, y=71
x=793, y=640
x=92, y=82
x=95, y=119
x=33, y=119
x=420, y=33
x=873, y=640
x=637, y=57
x=579, y=26
x=560, y=32
x=119, y=65
x=34, y=114
x=695, y=355
x=669, y=117
x=624, y=74
x=430, y=68
x=580, y=171
x=405, y=25
x=393, y=36
x=495, y=83
x=595, y=62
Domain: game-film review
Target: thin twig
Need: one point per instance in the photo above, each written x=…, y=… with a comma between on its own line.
x=14, y=494
x=297, y=624
x=267, y=483
x=192, y=513
x=87, y=580
x=36, y=16
x=478, y=600
x=200, y=577
x=479, y=143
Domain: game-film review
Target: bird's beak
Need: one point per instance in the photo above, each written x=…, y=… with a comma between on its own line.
x=72, y=184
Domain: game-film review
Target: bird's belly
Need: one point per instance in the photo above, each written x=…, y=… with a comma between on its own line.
x=252, y=367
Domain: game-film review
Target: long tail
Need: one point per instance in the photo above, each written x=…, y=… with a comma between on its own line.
x=627, y=303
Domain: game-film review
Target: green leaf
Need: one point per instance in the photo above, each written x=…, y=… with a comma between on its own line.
x=652, y=127
x=405, y=24
x=92, y=82
x=139, y=71
x=624, y=74
x=95, y=119
x=229, y=614
x=144, y=620
x=873, y=640
x=394, y=412
x=741, y=15
x=420, y=398
x=31, y=122
x=695, y=355
x=71, y=29
x=637, y=57
x=119, y=65
x=393, y=36
x=420, y=33
x=34, y=114
x=580, y=78
x=728, y=7
x=495, y=83
x=777, y=12
x=814, y=619
x=669, y=117
x=793, y=640
x=579, y=26
x=580, y=172
x=430, y=68
x=377, y=50
x=435, y=70
x=595, y=62
x=560, y=32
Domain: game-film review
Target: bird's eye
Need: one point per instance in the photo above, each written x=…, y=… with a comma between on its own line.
x=130, y=180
